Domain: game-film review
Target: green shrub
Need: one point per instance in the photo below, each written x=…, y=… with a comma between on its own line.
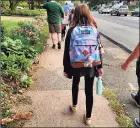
x=29, y=52
x=17, y=57
x=12, y=66
x=10, y=46
x=43, y=34
x=23, y=63
x=11, y=74
x=2, y=32
x=24, y=40
x=26, y=31
x=24, y=12
x=23, y=4
x=5, y=106
x=15, y=61
x=26, y=82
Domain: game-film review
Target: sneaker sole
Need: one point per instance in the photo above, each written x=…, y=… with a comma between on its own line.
x=59, y=46
x=73, y=109
x=53, y=47
x=135, y=102
x=136, y=123
x=89, y=124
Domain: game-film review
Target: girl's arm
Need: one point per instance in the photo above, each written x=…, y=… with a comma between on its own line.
x=66, y=58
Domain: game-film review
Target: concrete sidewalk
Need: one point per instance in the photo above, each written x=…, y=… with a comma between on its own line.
x=51, y=97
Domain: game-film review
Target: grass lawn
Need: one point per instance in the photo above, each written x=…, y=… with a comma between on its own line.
x=10, y=22
x=9, y=25
x=16, y=18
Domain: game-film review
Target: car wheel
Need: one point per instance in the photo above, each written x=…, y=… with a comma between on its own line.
x=111, y=14
x=131, y=14
x=118, y=14
x=125, y=14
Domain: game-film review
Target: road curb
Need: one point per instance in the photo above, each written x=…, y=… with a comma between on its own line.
x=116, y=43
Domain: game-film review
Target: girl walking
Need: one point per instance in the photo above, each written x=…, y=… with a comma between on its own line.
x=84, y=24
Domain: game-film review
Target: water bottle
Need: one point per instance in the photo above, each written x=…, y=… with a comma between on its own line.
x=99, y=86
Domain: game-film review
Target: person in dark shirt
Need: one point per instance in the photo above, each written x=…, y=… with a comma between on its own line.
x=54, y=14
x=136, y=96
x=81, y=11
x=71, y=17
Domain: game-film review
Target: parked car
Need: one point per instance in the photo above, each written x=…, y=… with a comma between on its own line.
x=136, y=12
x=120, y=10
x=101, y=10
x=19, y=7
x=107, y=10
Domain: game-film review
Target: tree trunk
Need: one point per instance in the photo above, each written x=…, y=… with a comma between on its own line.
x=11, y=5
x=32, y=6
x=29, y=6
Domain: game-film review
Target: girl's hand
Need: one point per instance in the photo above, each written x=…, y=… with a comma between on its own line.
x=101, y=72
x=66, y=75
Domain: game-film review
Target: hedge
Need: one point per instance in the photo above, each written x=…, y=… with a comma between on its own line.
x=16, y=62
x=23, y=12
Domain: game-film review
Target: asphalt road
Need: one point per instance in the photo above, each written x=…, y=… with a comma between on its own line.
x=123, y=30
x=130, y=21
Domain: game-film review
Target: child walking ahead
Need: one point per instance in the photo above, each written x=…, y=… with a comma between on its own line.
x=82, y=56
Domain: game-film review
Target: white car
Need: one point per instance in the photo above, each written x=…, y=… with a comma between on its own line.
x=19, y=7
x=107, y=10
x=101, y=10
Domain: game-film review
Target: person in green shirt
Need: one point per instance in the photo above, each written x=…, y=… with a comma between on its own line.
x=55, y=14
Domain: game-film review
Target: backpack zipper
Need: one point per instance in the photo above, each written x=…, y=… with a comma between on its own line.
x=88, y=45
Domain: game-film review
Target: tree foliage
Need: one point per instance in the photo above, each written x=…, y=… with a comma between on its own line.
x=98, y=2
x=13, y=4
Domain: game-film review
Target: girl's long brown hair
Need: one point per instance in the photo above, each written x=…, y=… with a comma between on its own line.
x=83, y=16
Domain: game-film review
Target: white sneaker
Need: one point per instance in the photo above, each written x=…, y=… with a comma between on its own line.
x=73, y=108
x=87, y=121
